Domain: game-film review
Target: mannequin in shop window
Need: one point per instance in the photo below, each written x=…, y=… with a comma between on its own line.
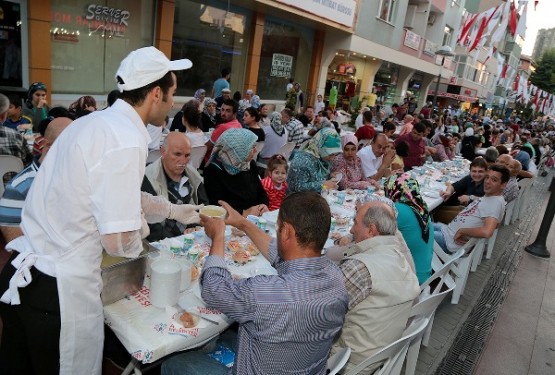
x=333, y=97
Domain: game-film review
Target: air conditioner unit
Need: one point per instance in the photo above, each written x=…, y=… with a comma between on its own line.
x=432, y=18
x=409, y=18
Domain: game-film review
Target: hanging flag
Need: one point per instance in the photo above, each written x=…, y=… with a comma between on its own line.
x=467, y=25
x=536, y=4
x=490, y=53
x=502, y=27
x=513, y=18
x=485, y=18
x=504, y=71
x=521, y=27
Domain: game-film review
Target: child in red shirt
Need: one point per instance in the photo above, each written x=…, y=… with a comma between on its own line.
x=275, y=181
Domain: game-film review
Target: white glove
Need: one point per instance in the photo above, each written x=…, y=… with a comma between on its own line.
x=145, y=229
x=185, y=213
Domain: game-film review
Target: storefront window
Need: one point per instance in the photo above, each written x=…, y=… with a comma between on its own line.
x=286, y=53
x=213, y=38
x=385, y=83
x=10, y=43
x=90, y=38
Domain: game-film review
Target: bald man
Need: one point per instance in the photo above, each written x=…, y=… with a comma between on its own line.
x=510, y=192
x=16, y=191
x=173, y=178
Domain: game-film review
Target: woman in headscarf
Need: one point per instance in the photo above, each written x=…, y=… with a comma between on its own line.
x=413, y=220
x=200, y=95
x=310, y=167
x=231, y=174
x=208, y=116
x=444, y=147
x=349, y=165
x=36, y=107
x=244, y=104
x=275, y=136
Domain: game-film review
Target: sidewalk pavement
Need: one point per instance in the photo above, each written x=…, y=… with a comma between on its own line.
x=523, y=338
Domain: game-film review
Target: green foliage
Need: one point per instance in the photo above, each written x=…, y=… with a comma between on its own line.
x=544, y=76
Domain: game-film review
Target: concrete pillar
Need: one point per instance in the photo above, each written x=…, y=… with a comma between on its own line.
x=315, y=67
x=40, y=44
x=426, y=86
x=253, y=56
x=367, y=81
x=405, y=74
x=164, y=29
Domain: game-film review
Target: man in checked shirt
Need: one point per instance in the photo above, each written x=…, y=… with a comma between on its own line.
x=380, y=281
x=287, y=322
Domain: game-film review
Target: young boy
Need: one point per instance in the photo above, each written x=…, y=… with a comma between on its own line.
x=14, y=113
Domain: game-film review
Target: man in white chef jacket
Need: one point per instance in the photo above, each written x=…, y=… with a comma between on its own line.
x=85, y=197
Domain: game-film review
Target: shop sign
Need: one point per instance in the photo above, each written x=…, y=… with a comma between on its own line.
x=461, y=98
x=101, y=12
x=430, y=48
x=453, y=80
x=412, y=40
x=340, y=11
x=281, y=65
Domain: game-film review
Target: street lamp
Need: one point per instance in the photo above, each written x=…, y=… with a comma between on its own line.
x=442, y=51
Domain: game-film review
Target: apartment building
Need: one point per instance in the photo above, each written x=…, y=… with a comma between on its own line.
x=544, y=40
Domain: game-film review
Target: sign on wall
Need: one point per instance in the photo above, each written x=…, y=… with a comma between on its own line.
x=412, y=40
x=281, y=65
x=340, y=11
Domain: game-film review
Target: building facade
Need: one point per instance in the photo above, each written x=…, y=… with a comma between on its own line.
x=544, y=40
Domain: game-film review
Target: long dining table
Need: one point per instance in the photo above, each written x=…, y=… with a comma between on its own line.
x=150, y=333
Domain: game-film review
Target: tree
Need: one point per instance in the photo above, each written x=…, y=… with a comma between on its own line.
x=544, y=76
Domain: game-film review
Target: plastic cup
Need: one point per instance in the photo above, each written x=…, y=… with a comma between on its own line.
x=165, y=282
x=193, y=255
x=188, y=241
x=186, y=272
x=214, y=211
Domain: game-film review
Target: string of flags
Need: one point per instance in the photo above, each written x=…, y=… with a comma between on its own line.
x=490, y=27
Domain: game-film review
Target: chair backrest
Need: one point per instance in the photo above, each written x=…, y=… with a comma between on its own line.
x=337, y=361
x=287, y=149
x=8, y=163
x=197, y=155
x=152, y=156
x=392, y=356
x=441, y=276
x=429, y=303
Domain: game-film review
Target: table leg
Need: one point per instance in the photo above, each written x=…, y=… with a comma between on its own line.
x=133, y=366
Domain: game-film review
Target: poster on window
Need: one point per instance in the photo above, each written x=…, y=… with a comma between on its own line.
x=281, y=65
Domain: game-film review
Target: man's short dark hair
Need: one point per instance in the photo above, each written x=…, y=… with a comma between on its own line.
x=420, y=127
x=505, y=174
x=137, y=96
x=395, y=105
x=367, y=116
x=402, y=149
x=288, y=112
x=191, y=112
x=15, y=100
x=231, y=103
x=225, y=72
x=388, y=126
x=309, y=214
x=426, y=123
x=502, y=149
x=479, y=162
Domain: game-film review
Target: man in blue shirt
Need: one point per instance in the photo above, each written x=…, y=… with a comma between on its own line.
x=16, y=191
x=221, y=83
x=287, y=322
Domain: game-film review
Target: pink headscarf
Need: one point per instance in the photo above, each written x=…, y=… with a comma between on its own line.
x=348, y=138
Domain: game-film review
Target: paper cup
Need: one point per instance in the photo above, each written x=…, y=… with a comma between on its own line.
x=151, y=258
x=165, y=282
x=214, y=211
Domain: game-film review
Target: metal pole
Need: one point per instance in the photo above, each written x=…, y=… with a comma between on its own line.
x=538, y=248
x=437, y=83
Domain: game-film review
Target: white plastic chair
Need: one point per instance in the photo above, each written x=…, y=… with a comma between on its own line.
x=8, y=163
x=337, y=361
x=524, y=186
x=460, y=267
x=152, y=156
x=390, y=359
x=287, y=149
x=509, y=210
x=197, y=155
x=425, y=309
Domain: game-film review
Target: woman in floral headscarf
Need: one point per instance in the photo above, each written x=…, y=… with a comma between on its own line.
x=208, y=116
x=200, y=95
x=413, y=221
x=349, y=165
x=310, y=169
x=231, y=174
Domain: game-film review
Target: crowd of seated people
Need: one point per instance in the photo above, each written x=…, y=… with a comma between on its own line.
x=376, y=278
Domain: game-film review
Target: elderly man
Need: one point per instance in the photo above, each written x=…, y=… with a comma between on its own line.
x=16, y=191
x=172, y=177
x=287, y=322
x=380, y=281
x=377, y=157
x=11, y=142
x=294, y=127
x=85, y=198
x=510, y=192
x=480, y=218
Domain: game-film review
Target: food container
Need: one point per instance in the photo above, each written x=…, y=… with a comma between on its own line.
x=123, y=276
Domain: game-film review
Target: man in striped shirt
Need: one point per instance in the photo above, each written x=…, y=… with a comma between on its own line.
x=287, y=322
